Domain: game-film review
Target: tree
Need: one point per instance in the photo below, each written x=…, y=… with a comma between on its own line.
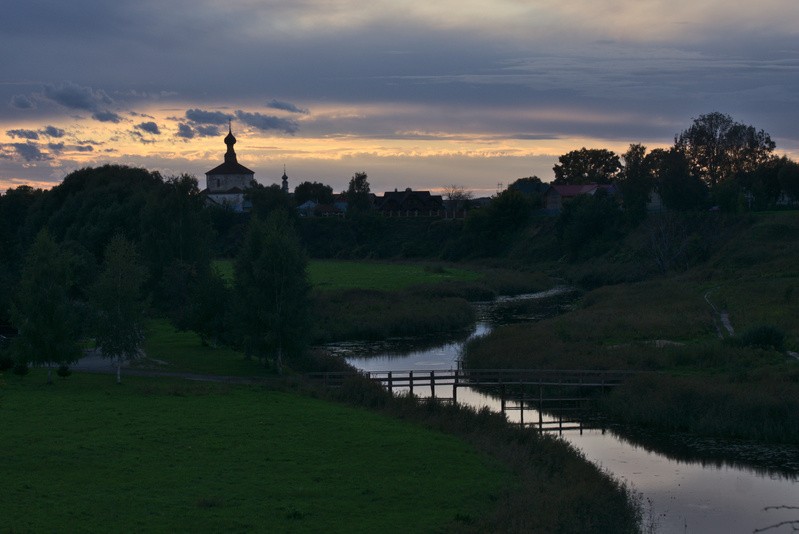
x=717, y=148
x=318, y=192
x=789, y=178
x=41, y=308
x=587, y=166
x=358, y=200
x=636, y=181
x=457, y=198
x=272, y=290
x=268, y=199
x=116, y=297
x=679, y=188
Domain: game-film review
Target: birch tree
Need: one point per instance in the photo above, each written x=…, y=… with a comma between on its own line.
x=118, y=304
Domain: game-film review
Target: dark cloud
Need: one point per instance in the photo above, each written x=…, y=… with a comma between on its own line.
x=185, y=131
x=74, y=96
x=52, y=131
x=106, y=116
x=56, y=148
x=207, y=131
x=22, y=102
x=267, y=122
x=199, y=116
x=29, y=152
x=149, y=127
x=286, y=106
x=23, y=134
x=82, y=148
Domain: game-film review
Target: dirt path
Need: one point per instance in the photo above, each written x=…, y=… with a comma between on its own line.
x=721, y=318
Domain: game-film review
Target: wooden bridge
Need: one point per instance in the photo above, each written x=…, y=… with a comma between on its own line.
x=563, y=393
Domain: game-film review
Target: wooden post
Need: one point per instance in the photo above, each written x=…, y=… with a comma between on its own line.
x=502, y=398
x=410, y=382
x=390, y=383
x=433, y=384
x=455, y=388
x=521, y=409
x=540, y=407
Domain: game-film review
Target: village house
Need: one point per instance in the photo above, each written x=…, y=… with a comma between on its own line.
x=410, y=203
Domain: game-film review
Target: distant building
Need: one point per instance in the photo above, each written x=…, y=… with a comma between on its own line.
x=226, y=183
x=410, y=203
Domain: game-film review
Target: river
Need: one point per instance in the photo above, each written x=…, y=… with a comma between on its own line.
x=687, y=483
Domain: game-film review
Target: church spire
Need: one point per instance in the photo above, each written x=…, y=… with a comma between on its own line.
x=230, y=140
x=285, y=186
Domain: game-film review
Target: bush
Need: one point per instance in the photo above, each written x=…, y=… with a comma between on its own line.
x=764, y=336
x=64, y=371
x=21, y=368
x=6, y=363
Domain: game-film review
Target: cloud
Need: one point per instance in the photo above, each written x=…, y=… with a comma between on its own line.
x=149, y=127
x=22, y=102
x=56, y=148
x=199, y=116
x=185, y=131
x=267, y=122
x=82, y=148
x=106, y=116
x=286, y=106
x=207, y=131
x=23, y=134
x=52, y=131
x=74, y=96
x=29, y=152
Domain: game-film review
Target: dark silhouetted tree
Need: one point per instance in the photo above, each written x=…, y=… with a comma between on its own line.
x=679, y=188
x=587, y=166
x=319, y=193
x=42, y=311
x=358, y=199
x=717, y=148
x=272, y=290
x=636, y=182
x=789, y=179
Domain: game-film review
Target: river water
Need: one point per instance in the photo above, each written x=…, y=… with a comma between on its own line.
x=687, y=483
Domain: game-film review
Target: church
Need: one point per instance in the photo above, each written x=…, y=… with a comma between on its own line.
x=226, y=184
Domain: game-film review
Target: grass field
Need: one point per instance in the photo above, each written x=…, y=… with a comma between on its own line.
x=160, y=455
x=335, y=274
x=183, y=351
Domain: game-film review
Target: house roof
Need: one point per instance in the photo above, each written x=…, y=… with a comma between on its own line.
x=409, y=200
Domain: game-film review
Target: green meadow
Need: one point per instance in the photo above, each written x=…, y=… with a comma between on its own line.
x=380, y=276
x=162, y=455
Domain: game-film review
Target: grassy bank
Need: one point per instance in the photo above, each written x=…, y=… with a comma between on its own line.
x=163, y=455
x=554, y=489
x=709, y=381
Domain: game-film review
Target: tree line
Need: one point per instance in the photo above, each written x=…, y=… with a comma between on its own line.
x=96, y=255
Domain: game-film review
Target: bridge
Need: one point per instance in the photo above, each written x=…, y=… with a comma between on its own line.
x=563, y=393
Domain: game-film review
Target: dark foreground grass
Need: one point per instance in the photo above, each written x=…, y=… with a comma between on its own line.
x=162, y=455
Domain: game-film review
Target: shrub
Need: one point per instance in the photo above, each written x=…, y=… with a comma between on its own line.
x=6, y=363
x=64, y=371
x=21, y=368
x=763, y=336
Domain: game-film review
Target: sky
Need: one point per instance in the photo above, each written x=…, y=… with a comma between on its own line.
x=415, y=93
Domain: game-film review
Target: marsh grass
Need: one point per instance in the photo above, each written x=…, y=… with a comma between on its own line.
x=92, y=456
x=369, y=314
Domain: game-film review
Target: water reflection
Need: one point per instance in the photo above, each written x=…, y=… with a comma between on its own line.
x=692, y=484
